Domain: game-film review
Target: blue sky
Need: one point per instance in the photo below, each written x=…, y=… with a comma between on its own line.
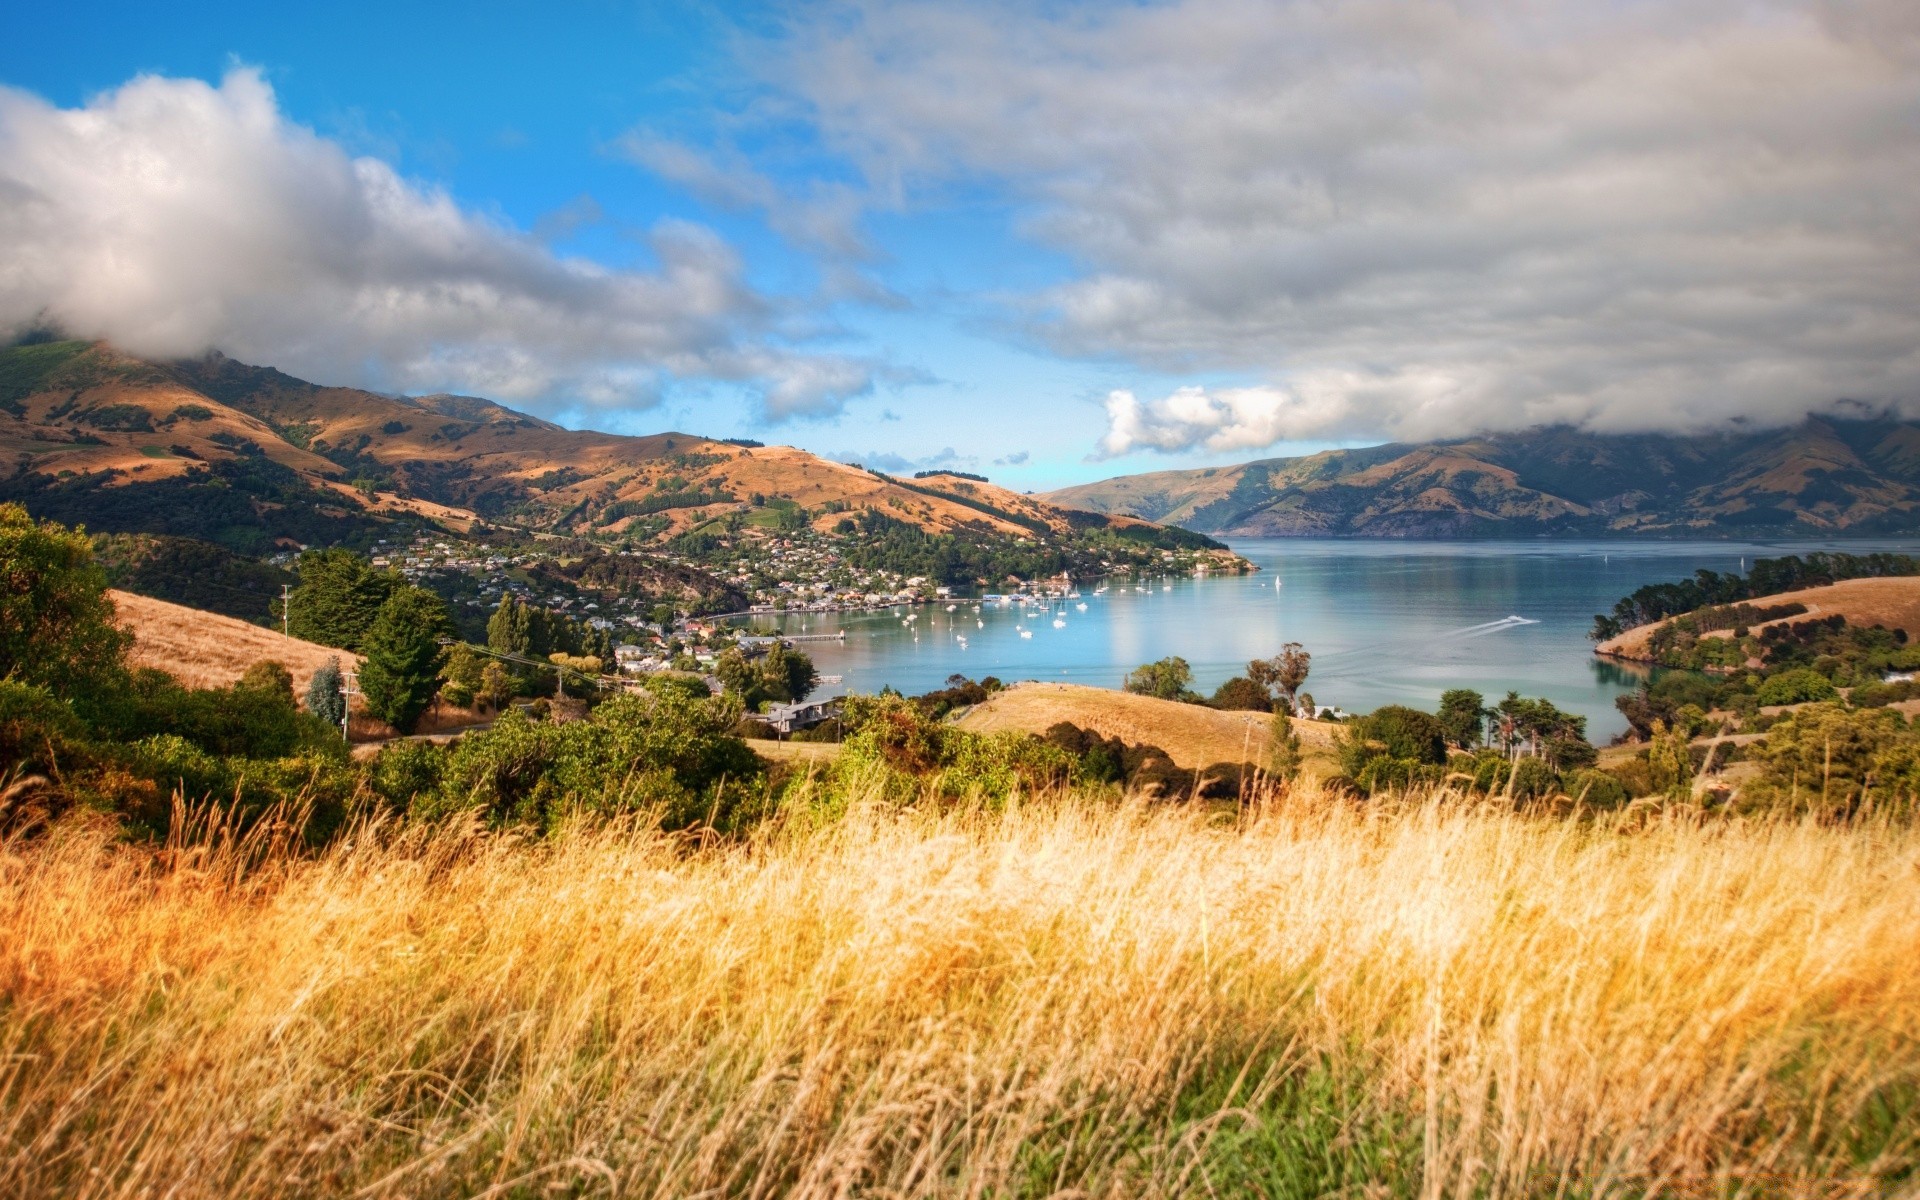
x=1051, y=243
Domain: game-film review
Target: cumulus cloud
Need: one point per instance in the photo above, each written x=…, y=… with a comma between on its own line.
x=1419, y=219
x=172, y=216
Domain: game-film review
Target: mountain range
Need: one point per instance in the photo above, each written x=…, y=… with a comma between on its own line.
x=252, y=458
x=1826, y=476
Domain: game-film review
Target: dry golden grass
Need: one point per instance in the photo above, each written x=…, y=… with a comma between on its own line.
x=204, y=649
x=1894, y=603
x=1191, y=734
x=1063, y=998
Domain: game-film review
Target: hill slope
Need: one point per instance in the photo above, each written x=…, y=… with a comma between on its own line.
x=1826, y=475
x=1892, y=602
x=1193, y=735
x=248, y=456
x=204, y=649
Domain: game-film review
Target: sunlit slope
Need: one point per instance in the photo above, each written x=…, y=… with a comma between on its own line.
x=81, y=413
x=1892, y=602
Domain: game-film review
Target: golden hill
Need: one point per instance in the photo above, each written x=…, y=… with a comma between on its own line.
x=1192, y=735
x=85, y=412
x=1893, y=602
x=204, y=649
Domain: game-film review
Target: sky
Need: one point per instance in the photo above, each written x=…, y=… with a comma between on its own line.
x=1048, y=242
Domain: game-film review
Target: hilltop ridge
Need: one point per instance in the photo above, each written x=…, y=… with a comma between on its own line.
x=1827, y=475
x=249, y=456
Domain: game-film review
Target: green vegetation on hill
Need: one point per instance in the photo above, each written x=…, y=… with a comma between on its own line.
x=1767, y=577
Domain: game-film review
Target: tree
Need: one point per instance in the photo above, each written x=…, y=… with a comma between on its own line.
x=462, y=676
x=1242, y=694
x=326, y=697
x=339, y=597
x=1463, y=712
x=507, y=629
x=56, y=621
x=1285, y=672
x=1283, y=746
x=1166, y=679
x=790, y=675
x=779, y=675
x=496, y=686
x=403, y=656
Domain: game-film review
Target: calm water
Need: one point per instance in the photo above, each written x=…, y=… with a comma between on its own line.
x=1387, y=622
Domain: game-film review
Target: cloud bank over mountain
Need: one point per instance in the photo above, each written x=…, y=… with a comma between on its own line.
x=1408, y=220
x=172, y=216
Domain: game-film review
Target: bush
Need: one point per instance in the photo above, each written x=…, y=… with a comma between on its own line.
x=1166, y=679
x=1595, y=788
x=1241, y=694
x=1800, y=685
x=1394, y=731
x=663, y=751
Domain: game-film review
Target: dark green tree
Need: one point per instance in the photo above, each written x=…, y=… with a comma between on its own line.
x=403, y=656
x=339, y=596
x=507, y=629
x=1463, y=712
x=1242, y=694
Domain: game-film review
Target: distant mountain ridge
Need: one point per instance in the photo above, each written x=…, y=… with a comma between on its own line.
x=249, y=456
x=1827, y=475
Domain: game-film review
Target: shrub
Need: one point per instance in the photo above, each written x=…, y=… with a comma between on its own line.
x=1797, y=686
x=664, y=751
x=1241, y=694
x=1166, y=679
x=1595, y=788
x=407, y=769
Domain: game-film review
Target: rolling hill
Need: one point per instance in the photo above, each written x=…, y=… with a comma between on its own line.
x=1827, y=475
x=249, y=457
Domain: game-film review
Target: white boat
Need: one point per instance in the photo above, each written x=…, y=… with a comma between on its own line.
x=1081, y=607
x=951, y=607
x=981, y=624
x=1059, y=624
x=1026, y=633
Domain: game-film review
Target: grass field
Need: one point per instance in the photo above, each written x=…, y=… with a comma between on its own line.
x=1191, y=734
x=1067, y=998
x=204, y=649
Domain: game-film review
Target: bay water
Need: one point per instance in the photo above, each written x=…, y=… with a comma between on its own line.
x=1387, y=622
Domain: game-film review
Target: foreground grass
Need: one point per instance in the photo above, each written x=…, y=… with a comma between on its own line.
x=1067, y=998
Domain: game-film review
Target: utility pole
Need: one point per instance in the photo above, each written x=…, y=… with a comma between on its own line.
x=348, y=690
x=286, y=603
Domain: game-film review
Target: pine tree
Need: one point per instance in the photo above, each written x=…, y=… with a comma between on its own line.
x=402, y=670
x=339, y=596
x=326, y=698
x=507, y=631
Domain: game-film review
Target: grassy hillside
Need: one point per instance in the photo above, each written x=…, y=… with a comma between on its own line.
x=1420, y=998
x=204, y=650
x=1826, y=475
x=1893, y=603
x=1192, y=735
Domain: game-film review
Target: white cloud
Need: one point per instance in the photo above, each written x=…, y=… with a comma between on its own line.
x=1422, y=218
x=172, y=216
